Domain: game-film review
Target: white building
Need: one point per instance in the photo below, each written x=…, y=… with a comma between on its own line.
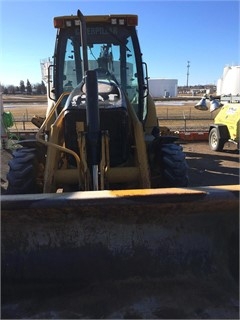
x=163, y=87
x=230, y=81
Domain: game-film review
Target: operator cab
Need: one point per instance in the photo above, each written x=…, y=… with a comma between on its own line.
x=112, y=49
x=109, y=94
x=113, y=116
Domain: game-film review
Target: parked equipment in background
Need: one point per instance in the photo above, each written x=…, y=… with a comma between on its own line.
x=226, y=126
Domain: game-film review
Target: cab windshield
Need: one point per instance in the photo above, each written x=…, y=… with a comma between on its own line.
x=112, y=49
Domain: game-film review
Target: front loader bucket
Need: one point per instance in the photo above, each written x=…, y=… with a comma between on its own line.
x=159, y=253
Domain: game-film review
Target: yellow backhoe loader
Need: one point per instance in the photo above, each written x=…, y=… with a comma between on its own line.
x=97, y=220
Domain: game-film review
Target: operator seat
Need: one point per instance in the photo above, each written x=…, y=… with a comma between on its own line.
x=113, y=119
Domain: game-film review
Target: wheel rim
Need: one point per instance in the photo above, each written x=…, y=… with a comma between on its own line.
x=214, y=139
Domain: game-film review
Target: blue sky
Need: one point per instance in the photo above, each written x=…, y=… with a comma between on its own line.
x=206, y=33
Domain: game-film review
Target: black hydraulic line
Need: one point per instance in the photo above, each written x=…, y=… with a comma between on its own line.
x=83, y=34
x=92, y=117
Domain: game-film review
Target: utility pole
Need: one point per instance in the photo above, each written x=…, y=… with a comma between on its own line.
x=188, y=66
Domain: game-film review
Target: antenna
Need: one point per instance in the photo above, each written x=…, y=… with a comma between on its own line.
x=188, y=66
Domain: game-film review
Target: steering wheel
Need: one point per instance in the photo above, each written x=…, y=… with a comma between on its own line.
x=103, y=73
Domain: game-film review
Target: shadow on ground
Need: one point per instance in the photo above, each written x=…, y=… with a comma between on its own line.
x=213, y=168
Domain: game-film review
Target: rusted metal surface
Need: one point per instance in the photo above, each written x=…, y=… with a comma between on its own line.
x=45, y=235
x=143, y=253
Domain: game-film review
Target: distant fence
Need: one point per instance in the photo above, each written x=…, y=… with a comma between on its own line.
x=23, y=124
x=185, y=124
x=187, y=119
x=174, y=123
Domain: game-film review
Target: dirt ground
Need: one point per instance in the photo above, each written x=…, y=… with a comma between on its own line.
x=210, y=168
x=206, y=167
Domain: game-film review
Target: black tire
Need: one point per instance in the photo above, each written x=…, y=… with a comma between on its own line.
x=168, y=165
x=174, y=166
x=215, y=143
x=25, y=172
